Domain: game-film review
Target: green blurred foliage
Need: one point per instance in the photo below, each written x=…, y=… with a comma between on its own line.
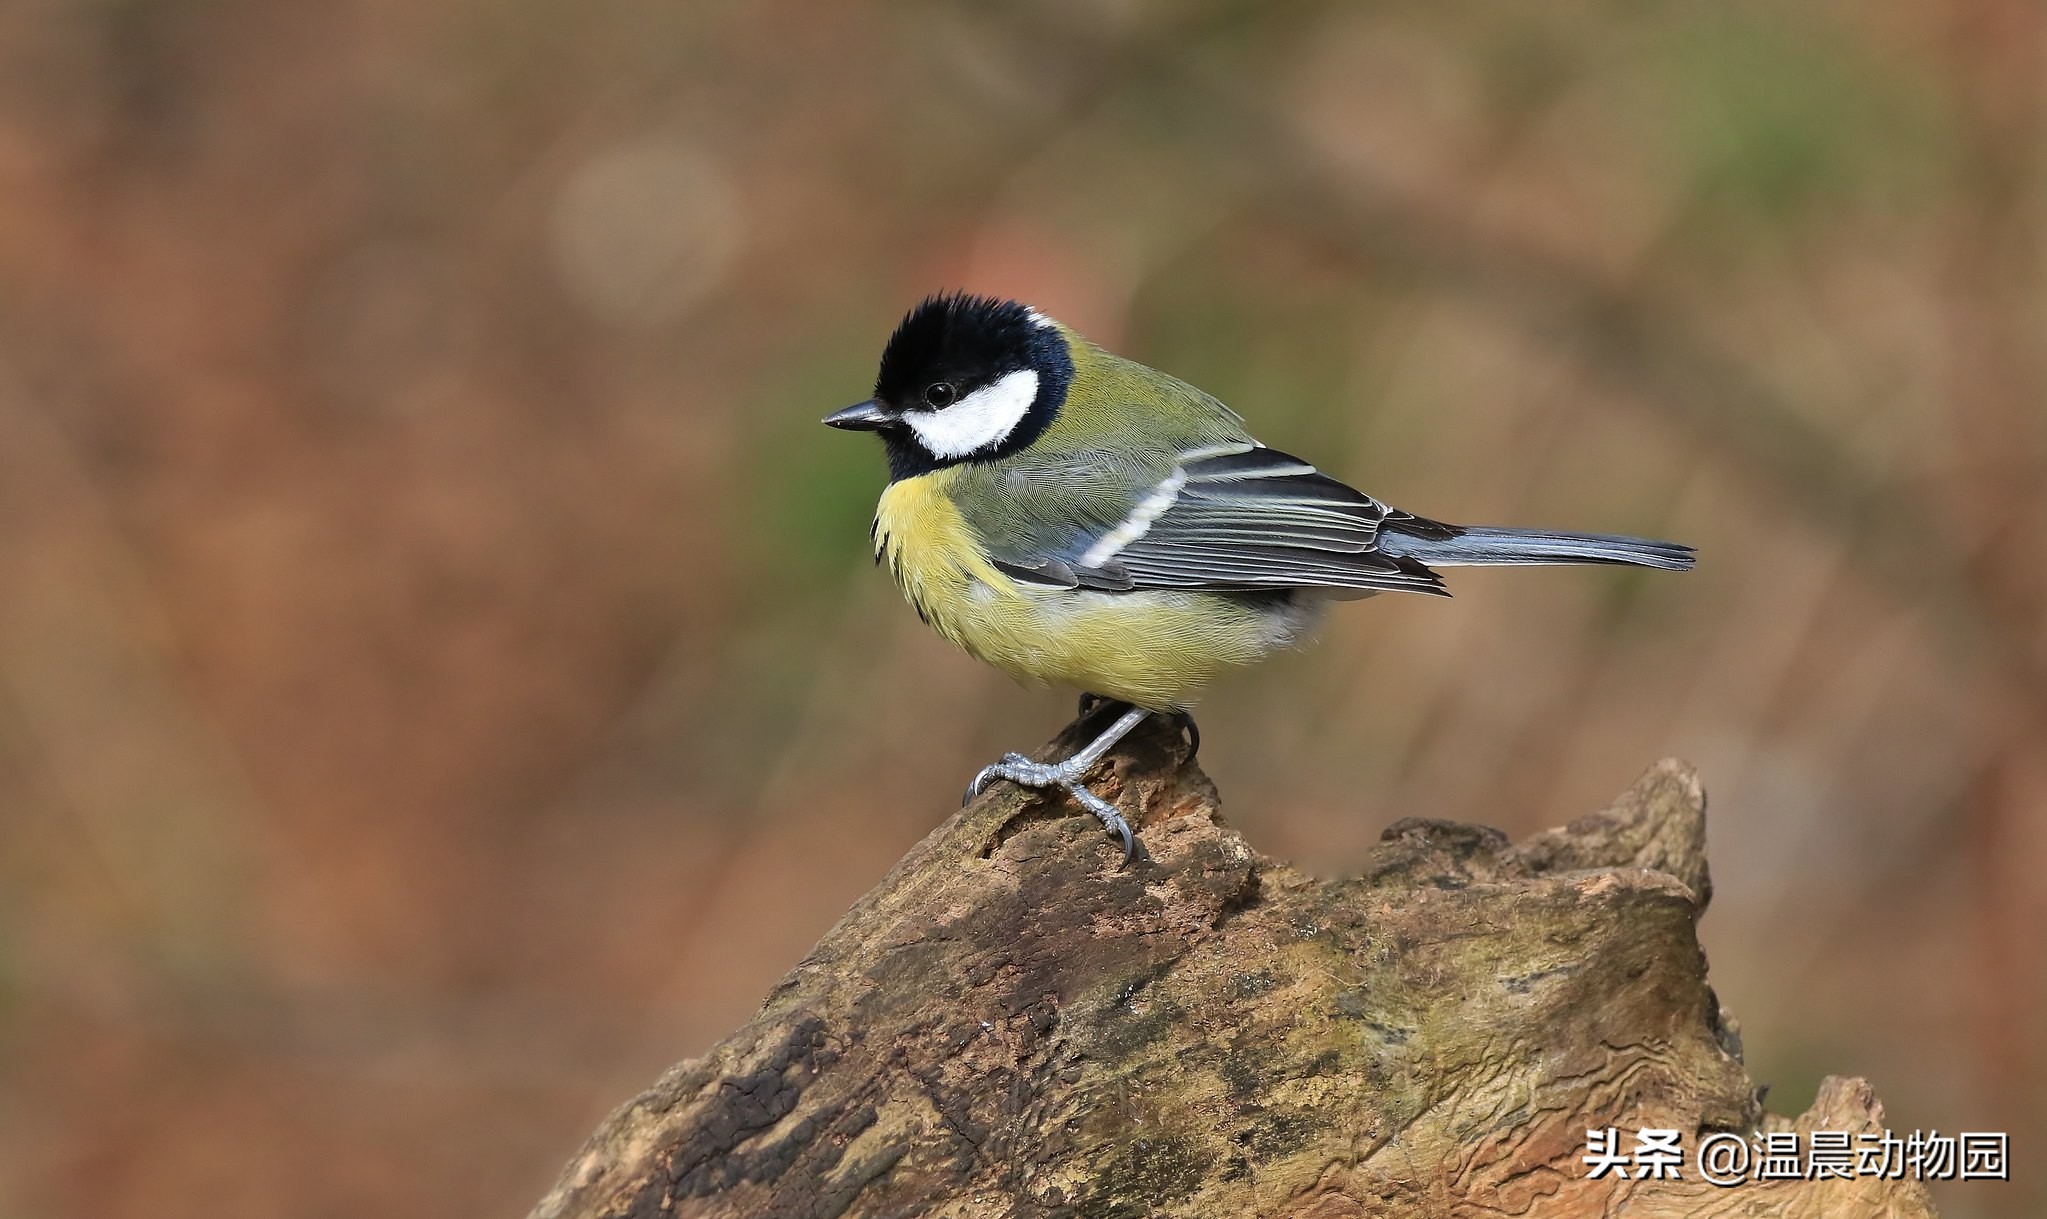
x=1781, y=123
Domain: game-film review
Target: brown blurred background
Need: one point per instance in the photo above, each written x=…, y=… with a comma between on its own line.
x=441, y=677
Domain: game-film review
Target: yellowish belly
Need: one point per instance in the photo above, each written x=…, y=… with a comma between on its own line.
x=1154, y=649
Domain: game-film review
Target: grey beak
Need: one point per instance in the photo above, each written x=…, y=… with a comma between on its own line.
x=868, y=416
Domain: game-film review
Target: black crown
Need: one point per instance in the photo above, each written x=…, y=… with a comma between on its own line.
x=960, y=338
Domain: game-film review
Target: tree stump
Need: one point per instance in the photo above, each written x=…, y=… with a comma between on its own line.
x=1009, y=1025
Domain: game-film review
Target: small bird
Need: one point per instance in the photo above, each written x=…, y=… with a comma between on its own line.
x=1073, y=517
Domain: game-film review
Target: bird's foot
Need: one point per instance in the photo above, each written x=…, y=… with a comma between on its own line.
x=1066, y=776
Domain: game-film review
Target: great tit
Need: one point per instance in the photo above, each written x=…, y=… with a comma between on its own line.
x=1071, y=516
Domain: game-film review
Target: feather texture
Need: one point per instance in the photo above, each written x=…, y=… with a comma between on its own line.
x=1487, y=546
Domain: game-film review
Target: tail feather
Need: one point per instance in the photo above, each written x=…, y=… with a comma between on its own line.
x=1482, y=546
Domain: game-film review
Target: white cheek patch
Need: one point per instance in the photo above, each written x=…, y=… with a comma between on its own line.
x=978, y=420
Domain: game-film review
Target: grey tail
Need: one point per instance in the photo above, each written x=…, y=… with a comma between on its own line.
x=1440, y=545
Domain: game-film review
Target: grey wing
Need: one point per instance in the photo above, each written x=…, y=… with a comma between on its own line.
x=1240, y=519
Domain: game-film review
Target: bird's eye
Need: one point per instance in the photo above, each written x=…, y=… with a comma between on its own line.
x=940, y=394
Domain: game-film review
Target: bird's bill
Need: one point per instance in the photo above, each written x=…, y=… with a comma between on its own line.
x=865, y=416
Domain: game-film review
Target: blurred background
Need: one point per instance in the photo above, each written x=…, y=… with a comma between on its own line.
x=442, y=681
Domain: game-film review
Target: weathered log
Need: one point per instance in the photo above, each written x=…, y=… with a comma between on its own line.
x=1009, y=1025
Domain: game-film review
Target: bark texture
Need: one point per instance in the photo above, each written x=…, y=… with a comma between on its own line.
x=1009, y=1026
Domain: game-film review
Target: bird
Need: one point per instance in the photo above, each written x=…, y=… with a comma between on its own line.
x=1072, y=517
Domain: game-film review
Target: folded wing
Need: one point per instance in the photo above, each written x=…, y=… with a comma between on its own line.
x=1241, y=518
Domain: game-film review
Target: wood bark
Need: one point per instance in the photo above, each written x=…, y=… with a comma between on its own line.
x=1010, y=1026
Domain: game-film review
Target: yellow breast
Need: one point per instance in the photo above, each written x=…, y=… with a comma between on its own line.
x=1154, y=649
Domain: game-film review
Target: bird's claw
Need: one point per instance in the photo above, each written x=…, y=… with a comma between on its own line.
x=1023, y=772
x=989, y=774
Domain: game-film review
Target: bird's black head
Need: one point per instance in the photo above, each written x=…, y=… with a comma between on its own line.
x=964, y=378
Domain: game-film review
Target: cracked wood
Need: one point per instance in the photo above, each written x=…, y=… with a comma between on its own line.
x=1007, y=1026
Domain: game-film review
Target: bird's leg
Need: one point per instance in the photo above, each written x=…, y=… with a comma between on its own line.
x=1183, y=720
x=1067, y=776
